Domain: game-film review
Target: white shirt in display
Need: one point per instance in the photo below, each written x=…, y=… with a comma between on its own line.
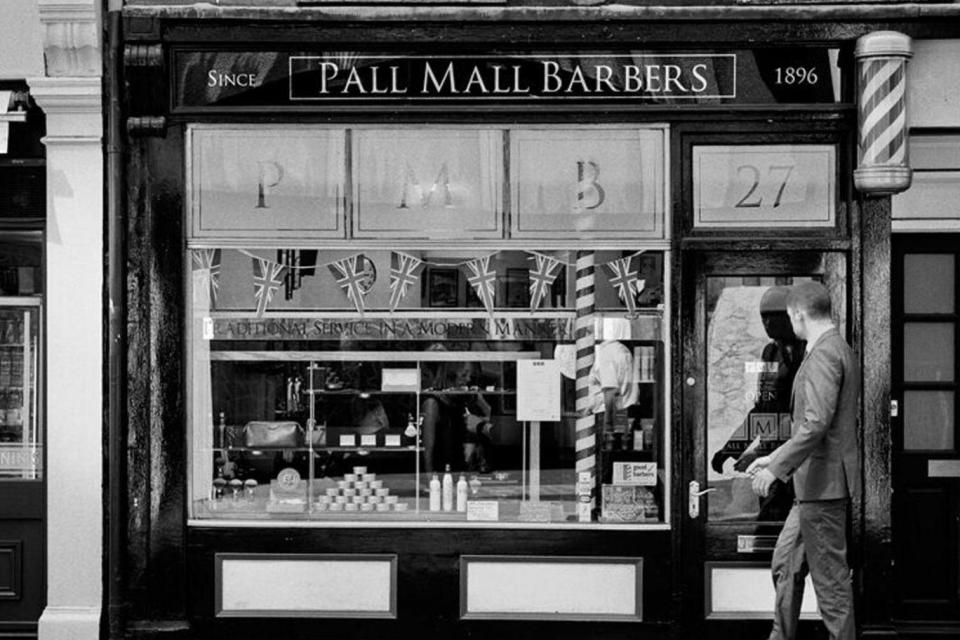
x=612, y=369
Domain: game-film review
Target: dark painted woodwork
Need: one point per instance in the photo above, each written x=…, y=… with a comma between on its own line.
x=18, y=630
x=428, y=587
x=925, y=510
x=717, y=541
x=828, y=130
x=11, y=569
x=466, y=24
x=156, y=430
x=875, y=574
x=23, y=580
x=168, y=569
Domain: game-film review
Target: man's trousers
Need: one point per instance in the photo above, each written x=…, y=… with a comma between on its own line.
x=814, y=541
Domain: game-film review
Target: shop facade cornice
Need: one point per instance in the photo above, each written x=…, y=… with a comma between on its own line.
x=611, y=12
x=71, y=37
x=78, y=103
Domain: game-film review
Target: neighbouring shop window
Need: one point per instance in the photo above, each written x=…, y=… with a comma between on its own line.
x=339, y=385
x=21, y=440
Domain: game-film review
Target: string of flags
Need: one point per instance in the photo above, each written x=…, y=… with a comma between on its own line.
x=357, y=273
x=267, y=280
x=206, y=263
x=626, y=281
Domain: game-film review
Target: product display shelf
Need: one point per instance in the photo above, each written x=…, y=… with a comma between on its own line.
x=320, y=436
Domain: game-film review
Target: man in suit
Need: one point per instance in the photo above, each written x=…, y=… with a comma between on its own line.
x=822, y=459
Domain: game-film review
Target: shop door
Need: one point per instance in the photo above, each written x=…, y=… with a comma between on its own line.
x=926, y=464
x=740, y=356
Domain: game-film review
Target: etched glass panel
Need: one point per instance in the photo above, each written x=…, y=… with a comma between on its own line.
x=928, y=420
x=928, y=283
x=928, y=349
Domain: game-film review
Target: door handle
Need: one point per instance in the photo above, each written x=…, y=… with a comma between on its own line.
x=693, y=506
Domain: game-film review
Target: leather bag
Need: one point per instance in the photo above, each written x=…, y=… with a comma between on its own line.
x=272, y=435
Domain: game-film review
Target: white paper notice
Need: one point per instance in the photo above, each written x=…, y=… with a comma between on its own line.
x=538, y=390
x=4, y=126
x=483, y=510
x=208, y=328
x=643, y=474
x=400, y=380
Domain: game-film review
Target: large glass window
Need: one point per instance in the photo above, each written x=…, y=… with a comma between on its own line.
x=21, y=440
x=311, y=398
x=376, y=334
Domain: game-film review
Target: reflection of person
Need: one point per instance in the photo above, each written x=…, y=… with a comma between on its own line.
x=611, y=377
x=781, y=358
x=821, y=457
x=437, y=417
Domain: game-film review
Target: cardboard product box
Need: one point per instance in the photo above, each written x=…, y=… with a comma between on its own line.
x=625, y=503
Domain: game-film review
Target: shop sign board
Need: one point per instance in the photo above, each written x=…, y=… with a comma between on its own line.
x=20, y=459
x=499, y=327
x=780, y=185
x=304, y=79
x=426, y=328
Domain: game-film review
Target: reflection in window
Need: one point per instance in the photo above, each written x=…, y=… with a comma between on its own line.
x=335, y=384
x=752, y=358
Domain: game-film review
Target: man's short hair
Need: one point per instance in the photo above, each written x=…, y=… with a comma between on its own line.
x=811, y=297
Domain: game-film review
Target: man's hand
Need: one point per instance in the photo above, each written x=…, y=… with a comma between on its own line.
x=760, y=463
x=762, y=480
x=473, y=422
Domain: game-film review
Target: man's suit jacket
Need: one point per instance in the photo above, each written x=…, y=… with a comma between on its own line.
x=821, y=454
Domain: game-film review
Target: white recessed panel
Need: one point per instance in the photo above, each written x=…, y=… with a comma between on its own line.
x=943, y=468
x=932, y=195
x=547, y=589
x=747, y=592
x=281, y=587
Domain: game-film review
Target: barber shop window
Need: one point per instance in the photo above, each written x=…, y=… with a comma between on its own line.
x=357, y=383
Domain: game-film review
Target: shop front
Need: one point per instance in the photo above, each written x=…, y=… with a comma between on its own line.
x=430, y=332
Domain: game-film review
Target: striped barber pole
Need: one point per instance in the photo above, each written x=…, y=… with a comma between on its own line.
x=883, y=118
x=882, y=75
x=586, y=433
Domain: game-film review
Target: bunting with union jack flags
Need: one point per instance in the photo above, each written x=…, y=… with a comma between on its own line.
x=404, y=273
x=626, y=281
x=206, y=264
x=355, y=275
x=483, y=280
x=267, y=280
x=542, y=276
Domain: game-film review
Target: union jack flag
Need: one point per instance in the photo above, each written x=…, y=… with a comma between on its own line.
x=206, y=263
x=542, y=276
x=403, y=274
x=356, y=276
x=626, y=282
x=267, y=280
x=483, y=280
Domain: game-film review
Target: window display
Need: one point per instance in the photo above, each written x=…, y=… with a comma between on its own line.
x=382, y=385
x=21, y=286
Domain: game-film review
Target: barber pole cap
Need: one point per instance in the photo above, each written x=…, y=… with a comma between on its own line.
x=883, y=166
